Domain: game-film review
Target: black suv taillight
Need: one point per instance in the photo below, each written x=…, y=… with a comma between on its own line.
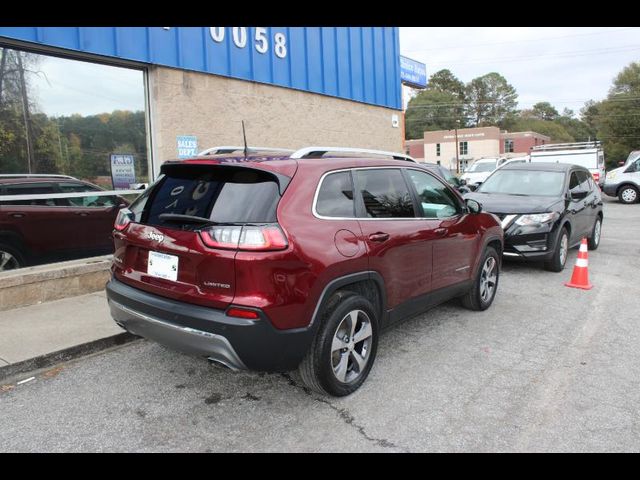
x=245, y=237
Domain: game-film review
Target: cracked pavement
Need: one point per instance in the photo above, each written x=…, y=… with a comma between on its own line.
x=546, y=368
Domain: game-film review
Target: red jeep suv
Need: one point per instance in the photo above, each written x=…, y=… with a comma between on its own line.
x=49, y=229
x=276, y=262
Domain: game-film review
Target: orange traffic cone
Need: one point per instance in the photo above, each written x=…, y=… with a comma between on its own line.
x=580, y=277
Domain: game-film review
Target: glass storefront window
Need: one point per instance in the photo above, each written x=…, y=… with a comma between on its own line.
x=71, y=132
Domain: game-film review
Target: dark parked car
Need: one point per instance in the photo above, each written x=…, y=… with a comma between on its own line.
x=545, y=208
x=450, y=178
x=277, y=263
x=34, y=231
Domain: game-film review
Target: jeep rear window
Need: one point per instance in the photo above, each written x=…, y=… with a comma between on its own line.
x=221, y=194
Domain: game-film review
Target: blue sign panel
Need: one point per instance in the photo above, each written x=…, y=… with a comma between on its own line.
x=355, y=63
x=413, y=73
x=187, y=146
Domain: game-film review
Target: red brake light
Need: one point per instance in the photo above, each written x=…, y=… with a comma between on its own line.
x=245, y=237
x=242, y=313
x=596, y=176
x=123, y=219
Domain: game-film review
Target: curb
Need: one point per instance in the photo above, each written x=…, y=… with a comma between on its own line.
x=49, y=359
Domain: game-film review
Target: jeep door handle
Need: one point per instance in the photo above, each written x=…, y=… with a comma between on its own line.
x=82, y=214
x=440, y=232
x=17, y=215
x=379, y=237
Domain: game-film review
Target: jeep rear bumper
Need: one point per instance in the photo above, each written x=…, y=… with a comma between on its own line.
x=237, y=343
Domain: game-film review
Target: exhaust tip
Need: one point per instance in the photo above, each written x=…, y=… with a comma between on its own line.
x=221, y=363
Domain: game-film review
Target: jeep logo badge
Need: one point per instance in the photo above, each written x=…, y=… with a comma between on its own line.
x=155, y=236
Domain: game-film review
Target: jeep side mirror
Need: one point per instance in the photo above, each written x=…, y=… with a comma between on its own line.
x=473, y=205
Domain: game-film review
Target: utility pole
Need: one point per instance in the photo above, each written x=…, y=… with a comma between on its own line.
x=457, y=147
x=25, y=109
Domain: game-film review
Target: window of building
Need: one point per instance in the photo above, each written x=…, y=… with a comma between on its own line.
x=508, y=146
x=464, y=148
x=61, y=120
x=437, y=149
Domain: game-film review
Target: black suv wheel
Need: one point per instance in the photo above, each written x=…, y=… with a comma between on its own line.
x=344, y=349
x=559, y=259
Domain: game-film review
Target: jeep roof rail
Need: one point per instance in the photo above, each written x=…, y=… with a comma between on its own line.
x=566, y=146
x=35, y=175
x=232, y=149
x=318, y=152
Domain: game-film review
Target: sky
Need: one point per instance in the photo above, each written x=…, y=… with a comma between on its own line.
x=564, y=66
x=65, y=87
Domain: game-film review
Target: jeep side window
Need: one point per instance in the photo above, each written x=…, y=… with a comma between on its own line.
x=93, y=201
x=30, y=189
x=435, y=198
x=335, y=197
x=384, y=194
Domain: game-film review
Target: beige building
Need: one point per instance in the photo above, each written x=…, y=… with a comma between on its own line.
x=212, y=108
x=473, y=143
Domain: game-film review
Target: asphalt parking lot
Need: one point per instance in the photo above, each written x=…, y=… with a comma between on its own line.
x=547, y=368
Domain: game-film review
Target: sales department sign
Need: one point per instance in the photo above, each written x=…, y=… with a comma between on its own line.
x=123, y=171
x=187, y=146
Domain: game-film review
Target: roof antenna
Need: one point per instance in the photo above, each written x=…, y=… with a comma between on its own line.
x=244, y=135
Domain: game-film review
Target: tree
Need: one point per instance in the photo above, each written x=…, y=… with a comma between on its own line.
x=490, y=99
x=433, y=110
x=627, y=82
x=615, y=119
x=578, y=129
x=446, y=82
x=545, y=111
x=557, y=132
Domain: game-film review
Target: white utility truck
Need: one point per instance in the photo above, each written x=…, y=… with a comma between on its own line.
x=585, y=154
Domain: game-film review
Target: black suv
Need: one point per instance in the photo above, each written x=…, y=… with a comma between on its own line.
x=545, y=208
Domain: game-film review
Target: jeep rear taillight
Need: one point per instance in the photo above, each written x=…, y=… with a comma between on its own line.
x=245, y=237
x=596, y=176
x=123, y=219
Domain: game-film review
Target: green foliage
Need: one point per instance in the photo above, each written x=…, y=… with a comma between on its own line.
x=74, y=145
x=432, y=110
x=490, y=99
x=557, y=132
x=545, y=111
x=616, y=119
x=446, y=82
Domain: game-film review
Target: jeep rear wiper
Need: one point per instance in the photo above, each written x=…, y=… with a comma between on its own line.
x=179, y=218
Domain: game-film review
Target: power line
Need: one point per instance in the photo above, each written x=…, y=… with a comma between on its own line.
x=542, y=39
x=574, y=53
